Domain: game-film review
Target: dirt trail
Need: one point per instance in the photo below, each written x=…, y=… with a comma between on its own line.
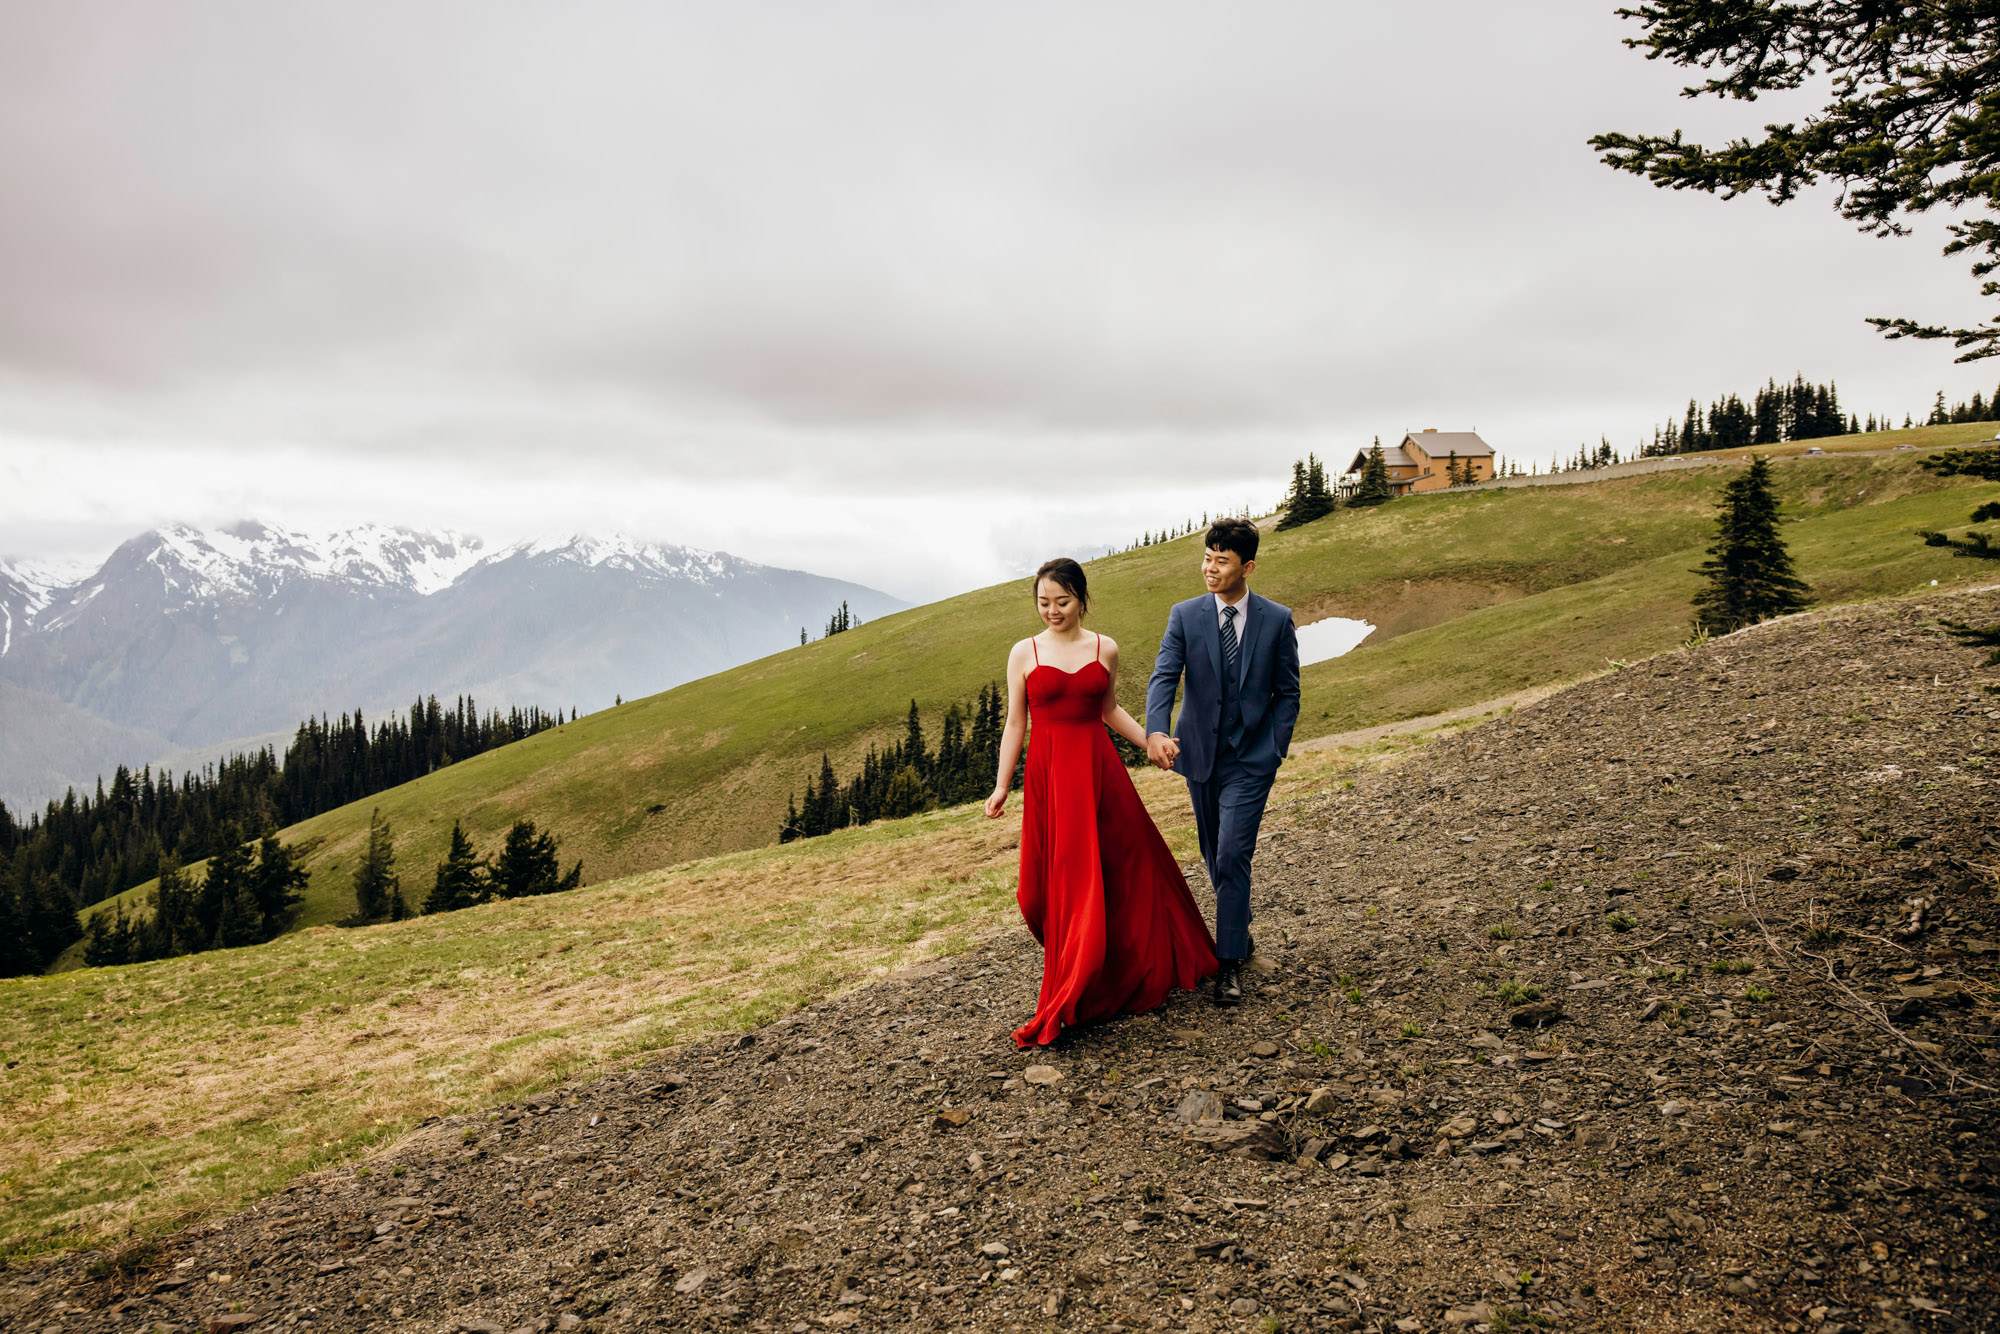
x=1368, y=736
x=1663, y=1004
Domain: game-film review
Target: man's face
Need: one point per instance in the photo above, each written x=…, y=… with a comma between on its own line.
x=1224, y=572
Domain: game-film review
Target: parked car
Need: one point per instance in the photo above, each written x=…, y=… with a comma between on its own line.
x=1900, y=448
x=1814, y=449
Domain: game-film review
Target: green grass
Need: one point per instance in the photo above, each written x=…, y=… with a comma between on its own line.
x=1478, y=595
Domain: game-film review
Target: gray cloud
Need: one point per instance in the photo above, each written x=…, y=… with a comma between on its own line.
x=873, y=248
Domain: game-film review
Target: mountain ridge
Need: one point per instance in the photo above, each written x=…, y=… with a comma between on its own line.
x=205, y=635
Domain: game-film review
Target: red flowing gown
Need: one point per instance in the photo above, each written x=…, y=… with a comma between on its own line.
x=1099, y=888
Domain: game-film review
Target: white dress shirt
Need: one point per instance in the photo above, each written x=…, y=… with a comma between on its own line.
x=1242, y=606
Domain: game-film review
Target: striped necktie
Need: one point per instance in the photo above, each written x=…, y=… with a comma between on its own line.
x=1229, y=642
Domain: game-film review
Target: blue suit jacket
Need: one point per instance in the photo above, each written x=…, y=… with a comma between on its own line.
x=1267, y=696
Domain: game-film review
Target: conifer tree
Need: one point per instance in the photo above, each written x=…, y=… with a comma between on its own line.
x=375, y=881
x=1750, y=575
x=277, y=884
x=225, y=891
x=527, y=864
x=461, y=879
x=914, y=753
x=906, y=794
x=1375, y=487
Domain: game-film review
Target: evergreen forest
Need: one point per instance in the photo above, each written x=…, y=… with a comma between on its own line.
x=85, y=849
x=246, y=897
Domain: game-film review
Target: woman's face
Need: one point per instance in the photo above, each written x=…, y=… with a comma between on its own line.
x=1057, y=605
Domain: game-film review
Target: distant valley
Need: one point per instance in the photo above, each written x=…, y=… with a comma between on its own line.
x=186, y=638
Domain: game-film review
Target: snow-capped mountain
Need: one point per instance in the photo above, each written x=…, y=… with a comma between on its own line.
x=201, y=636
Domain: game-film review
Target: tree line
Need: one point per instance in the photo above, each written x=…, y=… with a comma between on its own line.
x=525, y=866
x=907, y=776
x=245, y=897
x=86, y=848
x=840, y=622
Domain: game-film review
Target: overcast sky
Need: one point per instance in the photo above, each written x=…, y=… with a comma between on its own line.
x=911, y=293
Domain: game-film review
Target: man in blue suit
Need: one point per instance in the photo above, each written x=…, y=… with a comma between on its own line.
x=1240, y=656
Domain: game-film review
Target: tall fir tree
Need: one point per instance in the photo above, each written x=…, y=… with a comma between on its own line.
x=1375, y=487
x=461, y=878
x=376, y=883
x=1749, y=570
x=527, y=864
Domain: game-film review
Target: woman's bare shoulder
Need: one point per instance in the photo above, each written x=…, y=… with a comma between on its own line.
x=1107, y=644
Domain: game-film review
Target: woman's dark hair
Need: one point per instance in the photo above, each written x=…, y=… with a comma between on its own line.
x=1237, y=535
x=1068, y=576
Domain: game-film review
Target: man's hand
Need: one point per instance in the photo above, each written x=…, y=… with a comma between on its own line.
x=1162, y=750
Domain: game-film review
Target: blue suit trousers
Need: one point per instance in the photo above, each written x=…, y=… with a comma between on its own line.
x=1228, y=809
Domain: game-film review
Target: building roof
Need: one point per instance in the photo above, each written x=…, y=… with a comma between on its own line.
x=1392, y=456
x=1442, y=444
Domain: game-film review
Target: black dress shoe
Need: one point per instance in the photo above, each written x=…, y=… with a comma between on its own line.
x=1229, y=982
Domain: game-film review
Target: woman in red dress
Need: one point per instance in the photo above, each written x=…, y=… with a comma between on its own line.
x=1099, y=888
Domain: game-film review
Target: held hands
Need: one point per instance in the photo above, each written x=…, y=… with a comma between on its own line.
x=996, y=803
x=1162, y=750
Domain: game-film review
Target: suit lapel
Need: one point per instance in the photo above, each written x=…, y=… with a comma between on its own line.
x=1253, y=615
x=1204, y=615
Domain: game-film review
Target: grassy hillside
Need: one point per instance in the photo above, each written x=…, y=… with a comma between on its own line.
x=1478, y=594
x=135, y=1099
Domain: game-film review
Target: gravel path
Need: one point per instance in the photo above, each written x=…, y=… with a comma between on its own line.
x=1663, y=1004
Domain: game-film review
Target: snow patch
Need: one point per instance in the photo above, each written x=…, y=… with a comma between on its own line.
x=41, y=580
x=621, y=552
x=202, y=564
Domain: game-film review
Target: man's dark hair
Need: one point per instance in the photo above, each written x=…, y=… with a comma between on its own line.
x=1237, y=535
x=1068, y=576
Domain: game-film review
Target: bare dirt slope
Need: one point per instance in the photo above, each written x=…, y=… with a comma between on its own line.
x=1663, y=1004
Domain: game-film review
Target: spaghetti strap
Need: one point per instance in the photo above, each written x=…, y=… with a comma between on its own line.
x=1097, y=649
x=1038, y=651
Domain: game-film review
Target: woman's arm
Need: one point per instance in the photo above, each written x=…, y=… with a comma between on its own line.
x=1115, y=716
x=1014, y=732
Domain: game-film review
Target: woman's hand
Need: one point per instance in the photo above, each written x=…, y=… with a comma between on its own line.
x=996, y=803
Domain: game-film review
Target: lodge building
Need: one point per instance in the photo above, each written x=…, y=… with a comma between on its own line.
x=1424, y=460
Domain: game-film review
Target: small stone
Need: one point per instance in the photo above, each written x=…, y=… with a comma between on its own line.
x=1321, y=1102
x=1503, y=1117
x=1264, y=1050
x=1058, y=1299
x=691, y=1281
x=1479, y=1313
x=1460, y=1127
x=951, y=1118
x=1368, y=1167
x=1133, y=1225
x=1671, y=1108
x=1337, y=1161
x=1041, y=1074
x=1199, y=1105
x=994, y=1249
x=976, y=1162
x=230, y=1321
x=1537, y=1014
x=1367, y=1133
x=569, y=1320
x=1243, y=1306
